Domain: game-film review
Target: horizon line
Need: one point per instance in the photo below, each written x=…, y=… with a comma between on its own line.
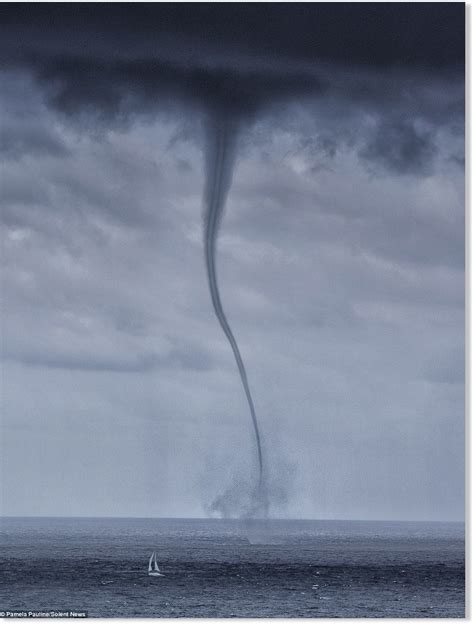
x=191, y=518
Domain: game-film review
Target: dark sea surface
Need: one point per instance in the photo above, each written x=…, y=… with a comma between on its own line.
x=223, y=568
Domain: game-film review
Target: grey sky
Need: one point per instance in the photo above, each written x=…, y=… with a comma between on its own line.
x=341, y=266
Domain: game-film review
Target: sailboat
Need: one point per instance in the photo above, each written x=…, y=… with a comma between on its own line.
x=153, y=568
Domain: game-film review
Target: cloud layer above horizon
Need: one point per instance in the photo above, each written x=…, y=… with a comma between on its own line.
x=341, y=257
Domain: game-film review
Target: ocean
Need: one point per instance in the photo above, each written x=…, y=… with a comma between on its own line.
x=232, y=568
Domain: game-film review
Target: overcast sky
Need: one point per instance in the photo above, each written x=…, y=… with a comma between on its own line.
x=340, y=259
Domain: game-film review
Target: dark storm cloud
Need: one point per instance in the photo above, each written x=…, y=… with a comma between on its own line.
x=401, y=147
x=120, y=61
x=378, y=35
x=251, y=55
x=146, y=85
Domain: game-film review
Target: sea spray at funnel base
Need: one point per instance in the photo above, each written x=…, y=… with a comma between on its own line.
x=221, y=137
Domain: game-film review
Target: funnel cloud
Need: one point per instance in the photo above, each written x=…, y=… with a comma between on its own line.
x=220, y=161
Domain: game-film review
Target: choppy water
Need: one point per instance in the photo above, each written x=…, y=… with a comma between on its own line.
x=221, y=568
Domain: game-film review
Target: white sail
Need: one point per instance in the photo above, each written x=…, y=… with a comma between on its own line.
x=153, y=564
x=151, y=560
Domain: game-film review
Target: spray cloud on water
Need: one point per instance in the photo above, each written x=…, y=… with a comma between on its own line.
x=221, y=134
